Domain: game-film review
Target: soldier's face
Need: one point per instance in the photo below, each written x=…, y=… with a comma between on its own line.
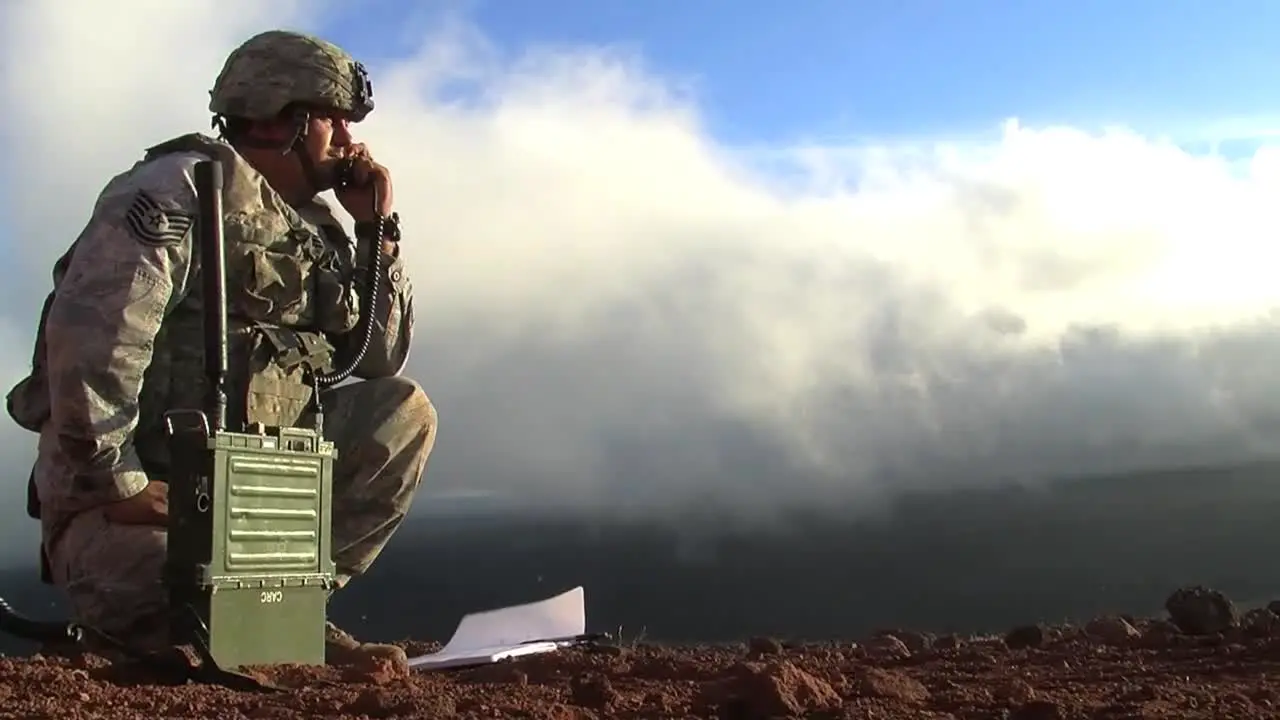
x=328, y=141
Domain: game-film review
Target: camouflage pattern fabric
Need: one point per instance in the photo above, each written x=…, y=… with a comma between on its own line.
x=119, y=336
x=384, y=430
x=103, y=335
x=114, y=293
x=271, y=70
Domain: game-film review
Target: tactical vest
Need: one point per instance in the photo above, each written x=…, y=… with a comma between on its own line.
x=289, y=284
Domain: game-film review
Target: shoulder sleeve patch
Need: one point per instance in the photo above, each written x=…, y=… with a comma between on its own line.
x=152, y=223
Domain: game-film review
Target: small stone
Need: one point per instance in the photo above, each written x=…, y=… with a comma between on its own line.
x=1027, y=636
x=948, y=642
x=877, y=682
x=592, y=691
x=763, y=646
x=886, y=647
x=916, y=642
x=1111, y=630
x=1259, y=622
x=776, y=689
x=1198, y=610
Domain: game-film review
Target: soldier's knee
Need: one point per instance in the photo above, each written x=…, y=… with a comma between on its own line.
x=419, y=406
x=410, y=407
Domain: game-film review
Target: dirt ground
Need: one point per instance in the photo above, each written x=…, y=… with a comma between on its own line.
x=1218, y=664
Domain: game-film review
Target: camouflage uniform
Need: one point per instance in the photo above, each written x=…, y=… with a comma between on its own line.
x=120, y=342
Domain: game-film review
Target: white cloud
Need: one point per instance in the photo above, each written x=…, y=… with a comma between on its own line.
x=611, y=302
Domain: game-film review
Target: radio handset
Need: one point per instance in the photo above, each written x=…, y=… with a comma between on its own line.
x=345, y=179
x=345, y=174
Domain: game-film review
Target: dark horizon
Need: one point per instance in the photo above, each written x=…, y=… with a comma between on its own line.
x=968, y=561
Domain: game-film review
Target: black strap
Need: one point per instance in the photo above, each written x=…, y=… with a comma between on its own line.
x=33, y=511
x=33, y=498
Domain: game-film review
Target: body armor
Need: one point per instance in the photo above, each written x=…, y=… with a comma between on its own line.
x=289, y=285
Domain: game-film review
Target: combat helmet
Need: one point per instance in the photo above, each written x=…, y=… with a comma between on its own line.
x=276, y=69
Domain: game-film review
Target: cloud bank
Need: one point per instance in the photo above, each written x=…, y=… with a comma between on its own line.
x=619, y=313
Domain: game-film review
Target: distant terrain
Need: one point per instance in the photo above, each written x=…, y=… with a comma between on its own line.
x=964, y=562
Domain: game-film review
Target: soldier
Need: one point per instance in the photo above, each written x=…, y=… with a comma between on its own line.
x=119, y=340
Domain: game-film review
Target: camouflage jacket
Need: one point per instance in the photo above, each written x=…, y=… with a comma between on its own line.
x=120, y=338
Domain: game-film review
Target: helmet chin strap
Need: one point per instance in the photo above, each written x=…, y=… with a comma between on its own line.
x=296, y=145
x=301, y=121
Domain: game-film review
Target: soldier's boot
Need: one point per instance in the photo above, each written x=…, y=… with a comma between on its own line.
x=341, y=649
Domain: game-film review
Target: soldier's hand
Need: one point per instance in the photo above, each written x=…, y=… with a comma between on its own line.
x=149, y=507
x=369, y=175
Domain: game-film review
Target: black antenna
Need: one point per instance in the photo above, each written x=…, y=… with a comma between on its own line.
x=208, y=178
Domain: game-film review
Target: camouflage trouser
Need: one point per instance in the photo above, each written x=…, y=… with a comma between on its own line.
x=384, y=430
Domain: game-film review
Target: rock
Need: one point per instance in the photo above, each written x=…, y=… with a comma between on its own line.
x=1198, y=610
x=1259, y=622
x=379, y=702
x=1066, y=633
x=1027, y=636
x=1017, y=690
x=592, y=690
x=948, y=642
x=876, y=682
x=915, y=642
x=1160, y=633
x=1274, y=607
x=1111, y=630
x=886, y=647
x=378, y=670
x=776, y=689
x=659, y=701
x=758, y=647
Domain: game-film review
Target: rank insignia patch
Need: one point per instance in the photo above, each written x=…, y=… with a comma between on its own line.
x=153, y=224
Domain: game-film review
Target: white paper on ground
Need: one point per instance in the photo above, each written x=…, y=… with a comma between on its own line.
x=493, y=635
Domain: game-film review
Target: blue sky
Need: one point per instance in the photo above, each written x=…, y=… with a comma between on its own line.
x=769, y=71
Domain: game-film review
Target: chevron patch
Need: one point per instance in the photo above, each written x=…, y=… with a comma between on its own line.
x=156, y=225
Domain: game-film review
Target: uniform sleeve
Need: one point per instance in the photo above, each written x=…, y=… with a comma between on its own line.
x=130, y=266
x=393, y=322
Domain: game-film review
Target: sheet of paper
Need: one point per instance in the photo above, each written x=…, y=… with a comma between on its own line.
x=493, y=635
x=479, y=656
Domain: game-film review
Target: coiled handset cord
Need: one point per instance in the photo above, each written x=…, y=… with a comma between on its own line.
x=368, y=300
